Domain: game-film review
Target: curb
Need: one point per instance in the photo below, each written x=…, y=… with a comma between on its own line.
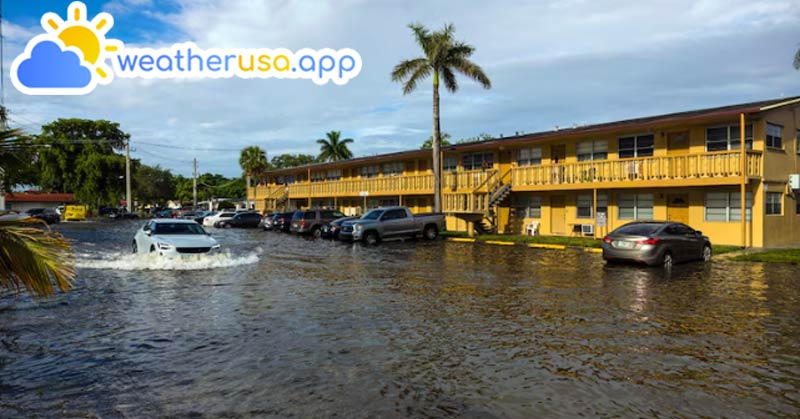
x=530, y=245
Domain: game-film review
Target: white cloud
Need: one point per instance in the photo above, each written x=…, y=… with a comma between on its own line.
x=556, y=62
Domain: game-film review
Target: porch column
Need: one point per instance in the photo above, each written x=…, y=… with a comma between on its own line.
x=743, y=186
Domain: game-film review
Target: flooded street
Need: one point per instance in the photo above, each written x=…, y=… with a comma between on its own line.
x=289, y=327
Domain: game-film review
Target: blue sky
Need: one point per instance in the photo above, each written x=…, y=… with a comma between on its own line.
x=551, y=63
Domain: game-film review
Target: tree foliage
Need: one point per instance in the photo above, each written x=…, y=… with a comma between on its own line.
x=81, y=156
x=284, y=161
x=443, y=141
x=154, y=185
x=333, y=147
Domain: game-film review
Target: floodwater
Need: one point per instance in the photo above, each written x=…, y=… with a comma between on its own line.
x=289, y=327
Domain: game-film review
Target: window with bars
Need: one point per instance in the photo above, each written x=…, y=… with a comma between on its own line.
x=636, y=146
x=591, y=150
x=529, y=156
x=728, y=138
x=727, y=206
x=774, y=137
x=635, y=206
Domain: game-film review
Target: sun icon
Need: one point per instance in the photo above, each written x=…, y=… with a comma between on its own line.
x=87, y=36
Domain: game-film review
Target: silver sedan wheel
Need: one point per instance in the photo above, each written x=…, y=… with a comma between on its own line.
x=707, y=253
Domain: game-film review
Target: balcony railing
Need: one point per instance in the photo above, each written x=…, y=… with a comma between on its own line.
x=465, y=181
x=414, y=184
x=725, y=164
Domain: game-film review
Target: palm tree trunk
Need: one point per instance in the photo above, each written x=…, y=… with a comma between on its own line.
x=247, y=190
x=437, y=177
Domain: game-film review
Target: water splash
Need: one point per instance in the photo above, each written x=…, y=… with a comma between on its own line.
x=152, y=262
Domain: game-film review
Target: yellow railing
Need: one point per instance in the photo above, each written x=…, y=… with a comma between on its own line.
x=463, y=181
x=414, y=184
x=468, y=202
x=689, y=166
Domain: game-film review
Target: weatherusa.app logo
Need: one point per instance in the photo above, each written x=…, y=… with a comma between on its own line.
x=70, y=59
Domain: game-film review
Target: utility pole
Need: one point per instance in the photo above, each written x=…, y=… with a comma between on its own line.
x=128, y=197
x=194, y=186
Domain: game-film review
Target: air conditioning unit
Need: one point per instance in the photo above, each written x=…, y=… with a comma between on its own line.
x=794, y=182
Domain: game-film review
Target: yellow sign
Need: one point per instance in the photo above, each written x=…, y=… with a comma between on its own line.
x=75, y=213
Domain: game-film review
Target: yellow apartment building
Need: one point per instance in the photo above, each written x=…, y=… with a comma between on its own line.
x=587, y=180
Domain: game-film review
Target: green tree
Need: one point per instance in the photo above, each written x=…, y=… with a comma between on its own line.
x=478, y=138
x=443, y=57
x=253, y=161
x=443, y=141
x=283, y=161
x=333, y=147
x=155, y=185
x=80, y=156
x=32, y=258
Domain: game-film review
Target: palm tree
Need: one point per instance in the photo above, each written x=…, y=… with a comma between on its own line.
x=253, y=161
x=31, y=258
x=443, y=57
x=34, y=258
x=797, y=60
x=333, y=148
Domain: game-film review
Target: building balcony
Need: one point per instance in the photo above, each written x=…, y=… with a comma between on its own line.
x=716, y=168
x=377, y=186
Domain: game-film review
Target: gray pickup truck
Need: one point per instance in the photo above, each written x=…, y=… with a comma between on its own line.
x=389, y=222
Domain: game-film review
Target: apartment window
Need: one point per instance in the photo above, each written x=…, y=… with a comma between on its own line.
x=370, y=171
x=529, y=157
x=725, y=206
x=774, y=136
x=636, y=146
x=728, y=138
x=797, y=142
x=393, y=169
x=591, y=150
x=529, y=206
x=774, y=203
x=334, y=174
x=317, y=176
x=584, y=206
x=635, y=206
x=450, y=164
x=478, y=161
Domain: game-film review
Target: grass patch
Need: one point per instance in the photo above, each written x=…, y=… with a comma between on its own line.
x=772, y=256
x=723, y=248
x=567, y=241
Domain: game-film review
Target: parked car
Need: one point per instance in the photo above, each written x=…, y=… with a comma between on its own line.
x=50, y=216
x=390, y=222
x=282, y=221
x=123, y=214
x=311, y=221
x=198, y=217
x=266, y=221
x=656, y=243
x=240, y=220
x=107, y=211
x=332, y=229
x=212, y=219
x=168, y=213
x=173, y=238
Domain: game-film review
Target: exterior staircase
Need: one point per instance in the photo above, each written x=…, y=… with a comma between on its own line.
x=488, y=195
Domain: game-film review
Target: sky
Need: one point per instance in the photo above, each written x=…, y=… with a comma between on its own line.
x=551, y=63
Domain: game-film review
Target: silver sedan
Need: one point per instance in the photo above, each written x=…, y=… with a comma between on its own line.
x=656, y=243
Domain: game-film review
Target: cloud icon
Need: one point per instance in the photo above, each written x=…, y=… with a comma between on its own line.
x=50, y=67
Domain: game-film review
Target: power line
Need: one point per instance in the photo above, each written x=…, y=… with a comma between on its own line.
x=140, y=150
x=187, y=148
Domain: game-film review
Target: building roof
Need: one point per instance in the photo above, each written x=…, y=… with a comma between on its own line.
x=593, y=129
x=40, y=197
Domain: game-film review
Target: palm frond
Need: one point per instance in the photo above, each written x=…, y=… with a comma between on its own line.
x=407, y=68
x=797, y=60
x=422, y=35
x=34, y=258
x=471, y=70
x=449, y=79
x=421, y=74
